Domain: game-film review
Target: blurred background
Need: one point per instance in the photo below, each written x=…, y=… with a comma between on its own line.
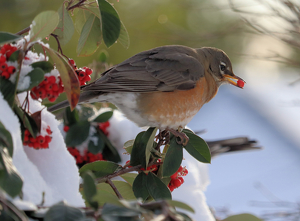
x=262, y=40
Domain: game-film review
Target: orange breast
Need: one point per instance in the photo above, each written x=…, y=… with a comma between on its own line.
x=177, y=108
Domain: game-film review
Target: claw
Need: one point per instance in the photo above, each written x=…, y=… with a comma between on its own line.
x=183, y=138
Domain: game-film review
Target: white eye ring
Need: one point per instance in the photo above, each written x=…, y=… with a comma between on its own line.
x=222, y=66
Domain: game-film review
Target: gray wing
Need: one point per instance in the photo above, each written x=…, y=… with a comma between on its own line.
x=164, y=68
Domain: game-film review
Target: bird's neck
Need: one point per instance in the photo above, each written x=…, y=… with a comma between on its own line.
x=212, y=86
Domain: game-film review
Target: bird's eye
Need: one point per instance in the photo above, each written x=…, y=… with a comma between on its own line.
x=222, y=67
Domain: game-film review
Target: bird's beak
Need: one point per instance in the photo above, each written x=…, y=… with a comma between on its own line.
x=235, y=80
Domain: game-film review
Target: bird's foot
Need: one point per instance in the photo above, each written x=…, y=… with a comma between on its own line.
x=164, y=136
x=183, y=138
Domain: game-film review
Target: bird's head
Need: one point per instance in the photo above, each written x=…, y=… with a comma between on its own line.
x=219, y=66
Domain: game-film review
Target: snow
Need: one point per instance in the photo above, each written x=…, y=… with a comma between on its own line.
x=52, y=170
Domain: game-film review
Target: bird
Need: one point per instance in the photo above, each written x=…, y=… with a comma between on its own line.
x=163, y=87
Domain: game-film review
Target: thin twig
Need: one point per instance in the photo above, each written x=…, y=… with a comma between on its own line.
x=112, y=185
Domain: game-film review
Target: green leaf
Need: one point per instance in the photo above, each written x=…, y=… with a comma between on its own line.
x=128, y=146
x=6, y=37
x=110, y=21
x=173, y=158
x=68, y=76
x=119, y=213
x=103, y=117
x=27, y=121
x=102, y=168
x=180, y=205
x=129, y=177
x=138, y=151
x=46, y=66
x=36, y=76
x=43, y=25
x=70, y=117
x=90, y=37
x=105, y=194
x=124, y=37
x=86, y=111
x=77, y=133
x=63, y=212
x=89, y=188
x=10, y=180
x=148, y=139
x=109, y=152
x=244, y=217
x=139, y=186
x=65, y=28
x=14, y=56
x=81, y=18
x=7, y=88
x=98, y=146
x=185, y=217
x=6, y=139
x=125, y=189
x=197, y=147
x=156, y=188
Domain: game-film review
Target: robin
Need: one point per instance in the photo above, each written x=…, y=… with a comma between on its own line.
x=163, y=87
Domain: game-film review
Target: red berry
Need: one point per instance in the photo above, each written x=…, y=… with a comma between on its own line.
x=36, y=145
x=55, y=87
x=240, y=83
x=52, y=99
x=71, y=61
x=87, y=78
x=51, y=79
x=48, y=130
x=174, y=176
x=177, y=183
x=3, y=67
x=181, y=180
x=48, y=139
x=5, y=74
x=40, y=139
x=88, y=71
x=66, y=128
x=2, y=59
x=11, y=69
x=48, y=86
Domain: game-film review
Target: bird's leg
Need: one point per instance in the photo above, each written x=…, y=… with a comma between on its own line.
x=184, y=139
x=163, y=137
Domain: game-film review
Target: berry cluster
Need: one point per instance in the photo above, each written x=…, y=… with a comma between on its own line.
x=82, y=73
x=103, y=127
x=51, y=87
x=88, y=157
x=177, y=178
x=5, y=52
x=40, y=142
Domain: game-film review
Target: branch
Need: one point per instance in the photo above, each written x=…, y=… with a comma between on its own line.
x=112, y=185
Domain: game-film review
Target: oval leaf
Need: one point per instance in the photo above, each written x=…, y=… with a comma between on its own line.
x=124, y=37
x=129, y=177
x=36, y=76
x=244, y=217
x=180, y=205
x=148, y=140
x=10, y=180
x=110, y=22
x=139, y=186
x=77, y=133
x=197, y=147
x=46, y=66
x=90, y=37
x=173, y=158
x=61, y=211
x=102, y=168
x=6, y=139
x=80, y=19
x=138, y=151
x=156, y=188
x=6, y=37
x=7, y=88
x=68, y=77
x=89, y=188
x=96, y=144
x=43, y=25
x=65, y=28
x=103, y=117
